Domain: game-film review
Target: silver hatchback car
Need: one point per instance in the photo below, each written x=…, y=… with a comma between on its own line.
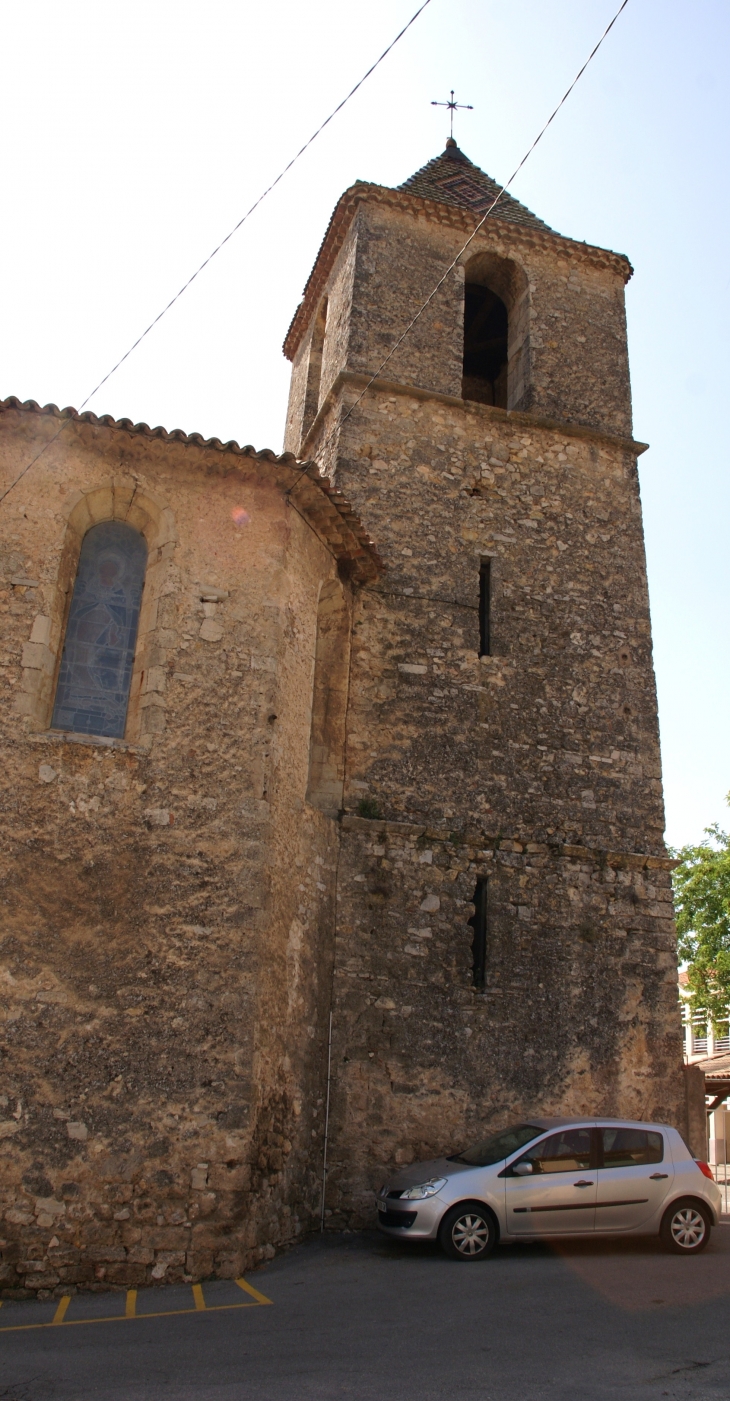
x=556, y=1177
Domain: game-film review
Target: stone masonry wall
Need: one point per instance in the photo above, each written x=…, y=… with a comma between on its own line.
x=167, y=943
x=556, y=729
x=536, y=766
x=578, y=1016
x=574, y=357
x=335, y=356
x=163, y=1036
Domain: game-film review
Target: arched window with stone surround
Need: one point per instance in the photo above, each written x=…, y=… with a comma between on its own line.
x=95, y=676
x=314, y=370
x=496, y=366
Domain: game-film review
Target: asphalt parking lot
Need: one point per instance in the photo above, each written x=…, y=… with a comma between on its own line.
x=357, y=1316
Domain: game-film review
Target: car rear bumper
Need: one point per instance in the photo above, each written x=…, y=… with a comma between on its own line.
x=714, y=1201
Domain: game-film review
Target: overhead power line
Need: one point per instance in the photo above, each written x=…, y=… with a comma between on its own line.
x=257, y=202
x=227, y=238
x=484, y=218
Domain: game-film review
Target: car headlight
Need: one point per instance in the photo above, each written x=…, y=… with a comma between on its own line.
x=424, y=1189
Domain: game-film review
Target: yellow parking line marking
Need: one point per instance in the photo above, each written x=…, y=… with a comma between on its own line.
x=249, y=1289
x=198, y=1296
x=63, y=1304
x=139, y=1317
x=130, y=1308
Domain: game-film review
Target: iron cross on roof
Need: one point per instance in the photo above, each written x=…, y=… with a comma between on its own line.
x=454, y=107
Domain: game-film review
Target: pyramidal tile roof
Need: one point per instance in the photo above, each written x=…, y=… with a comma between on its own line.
x=452, y=178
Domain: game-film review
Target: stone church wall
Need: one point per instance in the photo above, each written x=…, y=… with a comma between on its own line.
x=575, y=362
x=558, y=518
x=536, y=767
x=167, y=903
x=337, y=306
x=319, y=768
x=578, y=1016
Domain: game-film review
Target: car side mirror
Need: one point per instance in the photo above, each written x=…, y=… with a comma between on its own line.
x=522, y=1170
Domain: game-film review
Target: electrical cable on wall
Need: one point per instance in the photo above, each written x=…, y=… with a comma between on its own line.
x=225, y=240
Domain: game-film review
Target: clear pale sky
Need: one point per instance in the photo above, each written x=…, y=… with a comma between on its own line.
x=135, y=135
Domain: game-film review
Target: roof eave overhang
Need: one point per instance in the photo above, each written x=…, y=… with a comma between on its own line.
x=454, y=216
x=304, y=486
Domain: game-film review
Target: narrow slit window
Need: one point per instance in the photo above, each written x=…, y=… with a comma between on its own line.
x=96, y=667
x=478, y=923
x=485, y=599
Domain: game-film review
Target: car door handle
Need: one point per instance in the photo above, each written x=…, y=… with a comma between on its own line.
x=657, y=1176
x=583, y=1183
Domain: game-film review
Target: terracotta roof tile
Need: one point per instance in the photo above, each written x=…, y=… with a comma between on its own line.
x=310, y=490
x=451, y=190
x=716, y=1067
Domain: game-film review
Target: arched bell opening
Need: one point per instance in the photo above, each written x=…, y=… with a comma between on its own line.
x=485, y=346
x=496, y=362
x=314, y=369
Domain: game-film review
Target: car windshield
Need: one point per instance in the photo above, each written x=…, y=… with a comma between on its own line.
x=499, y=1146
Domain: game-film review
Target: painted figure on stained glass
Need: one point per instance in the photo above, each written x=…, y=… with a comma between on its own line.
x=96, y=667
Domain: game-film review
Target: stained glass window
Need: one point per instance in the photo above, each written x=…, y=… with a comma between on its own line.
x=96, y=666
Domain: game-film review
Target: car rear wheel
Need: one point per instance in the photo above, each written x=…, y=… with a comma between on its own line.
x=686, y=1227
x=468, y=1232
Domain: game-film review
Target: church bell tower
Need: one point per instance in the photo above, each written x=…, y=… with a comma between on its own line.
x=505, y=943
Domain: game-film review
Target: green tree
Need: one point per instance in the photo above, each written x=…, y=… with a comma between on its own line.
x=702, y=902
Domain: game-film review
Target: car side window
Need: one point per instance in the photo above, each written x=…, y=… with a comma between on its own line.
x=630, y=1147
x=567, y=1151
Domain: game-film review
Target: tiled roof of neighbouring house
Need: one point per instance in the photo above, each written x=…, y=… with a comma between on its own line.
x=716, y=1067
x=452, y=178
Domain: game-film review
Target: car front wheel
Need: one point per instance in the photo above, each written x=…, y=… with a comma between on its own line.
x=468, y=1232
x=686, y=1228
